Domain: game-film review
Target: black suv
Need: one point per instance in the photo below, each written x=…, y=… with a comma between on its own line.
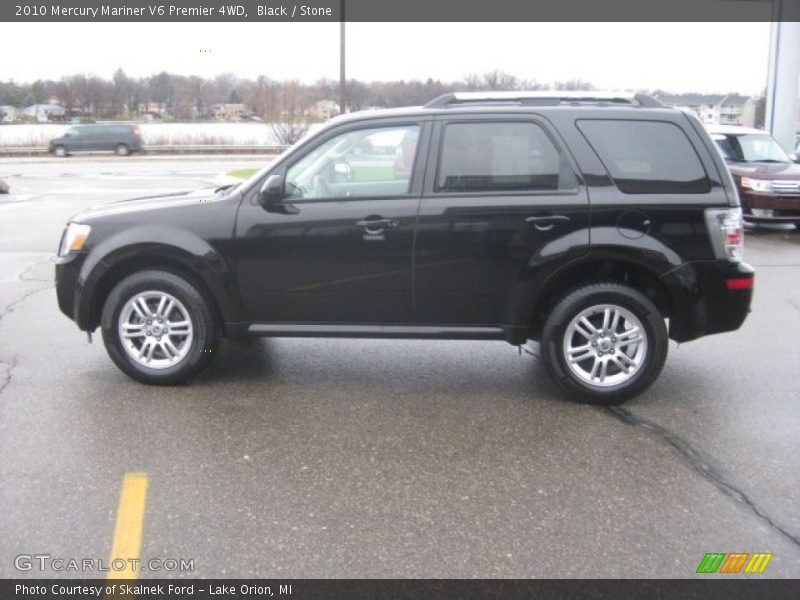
x=121, y=139
x=585, y=222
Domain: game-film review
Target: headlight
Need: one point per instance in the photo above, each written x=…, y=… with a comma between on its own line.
x=757, y=185
x=74, y=238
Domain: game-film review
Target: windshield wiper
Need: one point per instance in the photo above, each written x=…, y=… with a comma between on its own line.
x=770, y=160
x=229, y=187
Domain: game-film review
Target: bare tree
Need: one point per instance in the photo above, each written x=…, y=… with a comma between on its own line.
x=289, y=123
x=67, y=94
x=263, y=98
x=499, y=80
x=574, y=84
x=357, y=95
x=122, y=95
x=162, y=90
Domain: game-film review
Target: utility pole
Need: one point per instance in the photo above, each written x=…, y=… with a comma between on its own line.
x=342, y=78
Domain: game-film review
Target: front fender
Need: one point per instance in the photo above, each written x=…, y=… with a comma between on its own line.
x=142, y=247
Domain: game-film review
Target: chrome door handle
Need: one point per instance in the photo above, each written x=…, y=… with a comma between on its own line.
x=547, y=222
x=378, y=223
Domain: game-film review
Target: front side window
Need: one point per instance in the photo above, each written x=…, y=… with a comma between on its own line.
x=500, y=157
x=647, y=157
x=373, y=162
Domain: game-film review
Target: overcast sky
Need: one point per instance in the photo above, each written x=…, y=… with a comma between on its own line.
x=680, y=57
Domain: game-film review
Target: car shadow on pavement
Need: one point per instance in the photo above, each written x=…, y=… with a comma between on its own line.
x=247, y=359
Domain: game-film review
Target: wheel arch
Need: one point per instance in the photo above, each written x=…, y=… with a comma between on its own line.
x=640, y=276
x=186, y=256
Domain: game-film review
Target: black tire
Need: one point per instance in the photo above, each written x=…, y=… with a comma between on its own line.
x=123, y=150
x=555, y=330
x=60, y=151
x=205, y=327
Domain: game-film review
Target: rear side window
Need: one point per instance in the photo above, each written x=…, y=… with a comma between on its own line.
x=647, y=157
x=500, y=157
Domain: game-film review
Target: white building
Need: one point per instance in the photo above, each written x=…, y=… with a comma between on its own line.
x=229, y=112
x=45, y=112
x=716, y=109
x=9, y=114
x=322, y=110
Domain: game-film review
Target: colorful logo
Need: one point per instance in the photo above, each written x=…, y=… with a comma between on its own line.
x=734, y=562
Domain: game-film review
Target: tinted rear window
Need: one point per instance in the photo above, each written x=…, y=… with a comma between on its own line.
x=647, y=157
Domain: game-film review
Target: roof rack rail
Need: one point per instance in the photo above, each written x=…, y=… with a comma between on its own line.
x=544, y=97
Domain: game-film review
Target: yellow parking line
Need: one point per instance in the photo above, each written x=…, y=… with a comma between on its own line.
x=128, y=531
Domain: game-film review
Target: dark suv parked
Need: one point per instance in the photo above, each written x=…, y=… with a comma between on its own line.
x=585, y=222
x=767, y=179
x=122, y=139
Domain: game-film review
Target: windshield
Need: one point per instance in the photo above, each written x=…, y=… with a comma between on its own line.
x=750, y=147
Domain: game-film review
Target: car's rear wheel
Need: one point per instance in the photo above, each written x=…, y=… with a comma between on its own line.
x=60, y=151
x=123, y=150
x=604, y=343
x=159, y=328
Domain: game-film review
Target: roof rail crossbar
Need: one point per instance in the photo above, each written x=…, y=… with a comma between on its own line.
x=456, y=98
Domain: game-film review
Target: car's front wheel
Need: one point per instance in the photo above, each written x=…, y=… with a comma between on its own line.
x=159, y=328
x=60, y=151
x=604, y=343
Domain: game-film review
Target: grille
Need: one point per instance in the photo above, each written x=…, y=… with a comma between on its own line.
x=786, y=187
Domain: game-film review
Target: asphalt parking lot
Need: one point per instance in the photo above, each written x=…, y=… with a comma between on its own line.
x=364, y=458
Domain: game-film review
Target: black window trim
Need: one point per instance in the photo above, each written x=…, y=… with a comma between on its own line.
x=560, y=147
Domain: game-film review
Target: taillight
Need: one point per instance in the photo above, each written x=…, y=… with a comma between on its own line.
x=740, y=283
x=137, y=131
x=726, y=228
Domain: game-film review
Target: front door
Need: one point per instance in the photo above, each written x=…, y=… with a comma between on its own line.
x=339, y=248
x=501, y=203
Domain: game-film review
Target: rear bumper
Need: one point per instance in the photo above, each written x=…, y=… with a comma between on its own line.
x=712, y=296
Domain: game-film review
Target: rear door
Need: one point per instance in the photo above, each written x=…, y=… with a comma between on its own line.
x=501, y=202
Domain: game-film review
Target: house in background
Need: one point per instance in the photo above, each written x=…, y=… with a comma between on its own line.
x=737, y=110
x=152, y=111
x=322, y=110
x=9, y=114
x=716, y=109
x=44, y=113
x=229, y=112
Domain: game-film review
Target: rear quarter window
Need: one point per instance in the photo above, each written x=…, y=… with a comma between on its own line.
x=647, y=157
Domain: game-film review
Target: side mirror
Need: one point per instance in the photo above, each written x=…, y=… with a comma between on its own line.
x=795, y=156
x=271, y=192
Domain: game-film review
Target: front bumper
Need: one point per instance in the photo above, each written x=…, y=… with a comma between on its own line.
x=67, y=284
x=786, y=209
x=714, y=296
